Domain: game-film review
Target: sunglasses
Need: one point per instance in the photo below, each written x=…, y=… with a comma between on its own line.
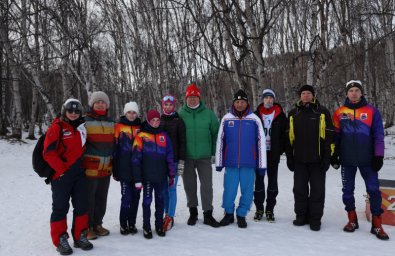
x=168, y=97
x=76, y=111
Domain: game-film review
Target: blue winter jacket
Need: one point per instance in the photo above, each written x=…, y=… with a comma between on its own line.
x=241, y=141
x=125, y=132
x=359, y=133
x=152, y=156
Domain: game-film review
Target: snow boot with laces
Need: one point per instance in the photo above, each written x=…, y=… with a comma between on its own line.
x=83, y=243
x=64, y=247
x=258, y=215
x=270, y=216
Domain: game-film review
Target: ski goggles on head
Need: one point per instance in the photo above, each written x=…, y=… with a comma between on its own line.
x=168, y=97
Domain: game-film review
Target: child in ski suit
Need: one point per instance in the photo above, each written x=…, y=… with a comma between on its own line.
x=125, y=132
x=175, y=128
x=153, y=164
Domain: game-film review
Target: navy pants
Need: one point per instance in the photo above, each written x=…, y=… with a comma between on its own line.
x=272, y=186
x=72, y=185
x=129, y=204
x=372, y=187
x=159, y=189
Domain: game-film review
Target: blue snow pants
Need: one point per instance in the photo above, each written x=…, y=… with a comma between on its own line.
x=171, y=199
x=171, y=196
x=233, y=177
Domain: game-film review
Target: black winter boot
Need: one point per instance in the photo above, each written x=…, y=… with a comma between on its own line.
x=132, y=229
x=315, y=225
x=147, y=232
x=193, y=216
x=300, y=221
x=258, y=215
x=83, y=243
x=124, y=230
x=160, y=232
x=270, y=216
x=227, y=219
x=209, y=219
x=241, y=222
x=64, y=246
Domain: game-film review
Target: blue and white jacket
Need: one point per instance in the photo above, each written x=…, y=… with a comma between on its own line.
x=241, y=141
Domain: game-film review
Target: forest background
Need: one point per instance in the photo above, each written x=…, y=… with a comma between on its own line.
x=138, y=50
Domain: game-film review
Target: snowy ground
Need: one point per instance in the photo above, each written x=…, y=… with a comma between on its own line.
x=26, y=206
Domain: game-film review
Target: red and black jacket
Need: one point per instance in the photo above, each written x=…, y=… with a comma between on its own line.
x=62, y=153
x=278, y=129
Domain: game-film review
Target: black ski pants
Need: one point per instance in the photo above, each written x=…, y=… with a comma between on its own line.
x=309, y=191
x=272, y=186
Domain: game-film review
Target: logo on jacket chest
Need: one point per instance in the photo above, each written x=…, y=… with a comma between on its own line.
x=231, y=124
x=363, y=116
x=66, y=134
x=345, y=116
x=161, y=138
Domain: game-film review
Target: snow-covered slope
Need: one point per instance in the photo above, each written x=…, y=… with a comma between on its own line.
x=26, y=206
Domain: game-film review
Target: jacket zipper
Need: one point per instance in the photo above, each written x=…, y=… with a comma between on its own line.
x=194, y=133
x=238, y=157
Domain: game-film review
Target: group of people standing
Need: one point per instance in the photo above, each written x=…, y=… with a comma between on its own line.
x=150, y=155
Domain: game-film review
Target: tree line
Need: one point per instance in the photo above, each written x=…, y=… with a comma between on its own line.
x=139, y=50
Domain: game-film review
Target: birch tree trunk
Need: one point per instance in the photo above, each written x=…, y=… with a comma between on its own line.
x=313, y=44
x=257, y=49
x=390, y=62
x=229, y=48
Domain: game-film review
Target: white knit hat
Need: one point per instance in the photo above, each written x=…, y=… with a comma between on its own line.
x=99, y=95
x=131, y=106
x=268, y=92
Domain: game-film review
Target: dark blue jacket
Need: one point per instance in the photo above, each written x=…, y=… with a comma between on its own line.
x=152, y=159
x=125, y=132
x=359, y=133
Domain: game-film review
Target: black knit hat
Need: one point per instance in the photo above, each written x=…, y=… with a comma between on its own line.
x=240, y=95
x=354, y=83
x=307, y=87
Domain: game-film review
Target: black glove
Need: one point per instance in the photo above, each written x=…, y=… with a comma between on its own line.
x=324, y=166
x=377, y=163
x=291, y=164
x=335, y=162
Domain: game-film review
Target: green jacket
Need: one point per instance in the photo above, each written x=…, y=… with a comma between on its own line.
x=201, y=128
